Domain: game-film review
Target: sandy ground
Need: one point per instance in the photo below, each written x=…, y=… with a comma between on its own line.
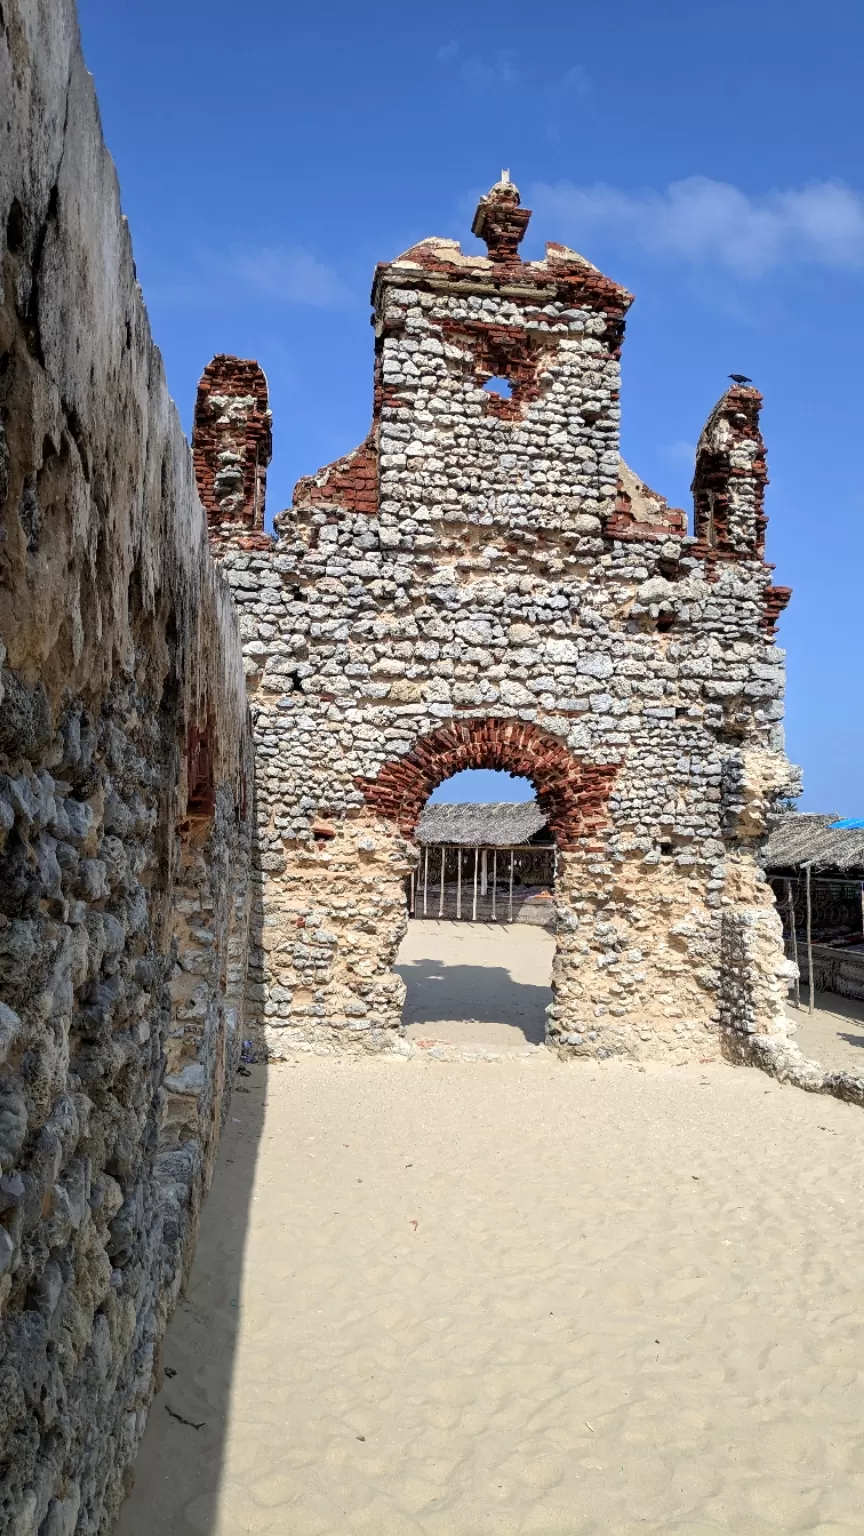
x=833, y=1035
x=461, y=1299
x=487, y=984
x=476, y=982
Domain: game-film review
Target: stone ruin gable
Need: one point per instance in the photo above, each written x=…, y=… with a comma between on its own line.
x=534, y=467
x=232, y=446
x=640, y=512
x=123, y=833
x=483, y=574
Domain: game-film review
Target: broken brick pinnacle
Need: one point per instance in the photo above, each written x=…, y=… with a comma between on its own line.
x=501, y=221
x=232, y=445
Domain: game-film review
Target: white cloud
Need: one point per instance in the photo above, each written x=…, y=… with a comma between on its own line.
x=480, y=75
x=562, y=99
x=574, y=86
x=292, y=274
x=680, y=452
x=701, y=220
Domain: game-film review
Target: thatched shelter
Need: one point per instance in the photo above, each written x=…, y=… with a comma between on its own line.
x=825, y=841
x=815, y=863
x=484, y=863
x=494, y=825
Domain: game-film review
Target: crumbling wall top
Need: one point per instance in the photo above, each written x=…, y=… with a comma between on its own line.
x=500, y=220
x=232, y=444
x=730, y=478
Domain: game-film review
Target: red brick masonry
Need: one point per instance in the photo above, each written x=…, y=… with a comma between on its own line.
x=506, y=350
x=715, y=475
x=573, y=795
x=350, y=482
x=246, y=437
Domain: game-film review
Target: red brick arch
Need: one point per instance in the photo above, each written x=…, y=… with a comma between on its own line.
x=573, y=795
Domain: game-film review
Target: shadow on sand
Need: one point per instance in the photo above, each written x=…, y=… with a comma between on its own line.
x=181, y=1463
x=834, y=1033
x=851, y=1008
x=179, y=1468
x=474, y=994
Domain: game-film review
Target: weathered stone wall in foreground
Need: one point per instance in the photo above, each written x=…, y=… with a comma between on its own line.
x=123, y=833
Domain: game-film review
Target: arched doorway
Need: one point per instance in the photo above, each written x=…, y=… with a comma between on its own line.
x=572, y=798
x=572, y=794
x=477, y=955
x=483, y=860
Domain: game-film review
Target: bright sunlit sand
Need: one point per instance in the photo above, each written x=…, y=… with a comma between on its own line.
x=833, y=1034
x=476, y=983
x=459, y=1299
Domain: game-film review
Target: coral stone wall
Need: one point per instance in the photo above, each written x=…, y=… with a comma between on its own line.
x=123, y=850
x=485, y=582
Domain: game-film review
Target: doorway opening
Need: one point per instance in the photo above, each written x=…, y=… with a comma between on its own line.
x=477, y=956
x=572, y=797
x=487, y=853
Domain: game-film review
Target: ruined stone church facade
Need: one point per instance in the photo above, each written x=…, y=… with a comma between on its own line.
x=211, y=768
x=484, y=583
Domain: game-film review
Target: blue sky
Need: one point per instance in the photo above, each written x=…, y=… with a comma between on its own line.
x=711, y=160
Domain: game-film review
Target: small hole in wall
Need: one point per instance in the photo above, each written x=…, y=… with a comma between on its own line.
x=15, y=227
x=665, y=622
x=201, y=786
x=499, y=386
x=666, y=850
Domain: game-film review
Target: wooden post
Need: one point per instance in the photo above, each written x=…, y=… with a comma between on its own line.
x=809, y=866
x=458, y=882
x=411, y=903
x=510, y=919
x=791, y=903
x=476, y=862
x=484, y=873
x=495, y=883
x=425, y=879
x=441, y=898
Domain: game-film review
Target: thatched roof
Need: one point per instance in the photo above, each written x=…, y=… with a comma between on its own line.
x=804, y=836
x=493, y=826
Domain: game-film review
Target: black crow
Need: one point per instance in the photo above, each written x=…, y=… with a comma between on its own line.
x=740, y=378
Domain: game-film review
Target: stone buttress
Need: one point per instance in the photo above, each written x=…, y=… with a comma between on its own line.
x=484, y=583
